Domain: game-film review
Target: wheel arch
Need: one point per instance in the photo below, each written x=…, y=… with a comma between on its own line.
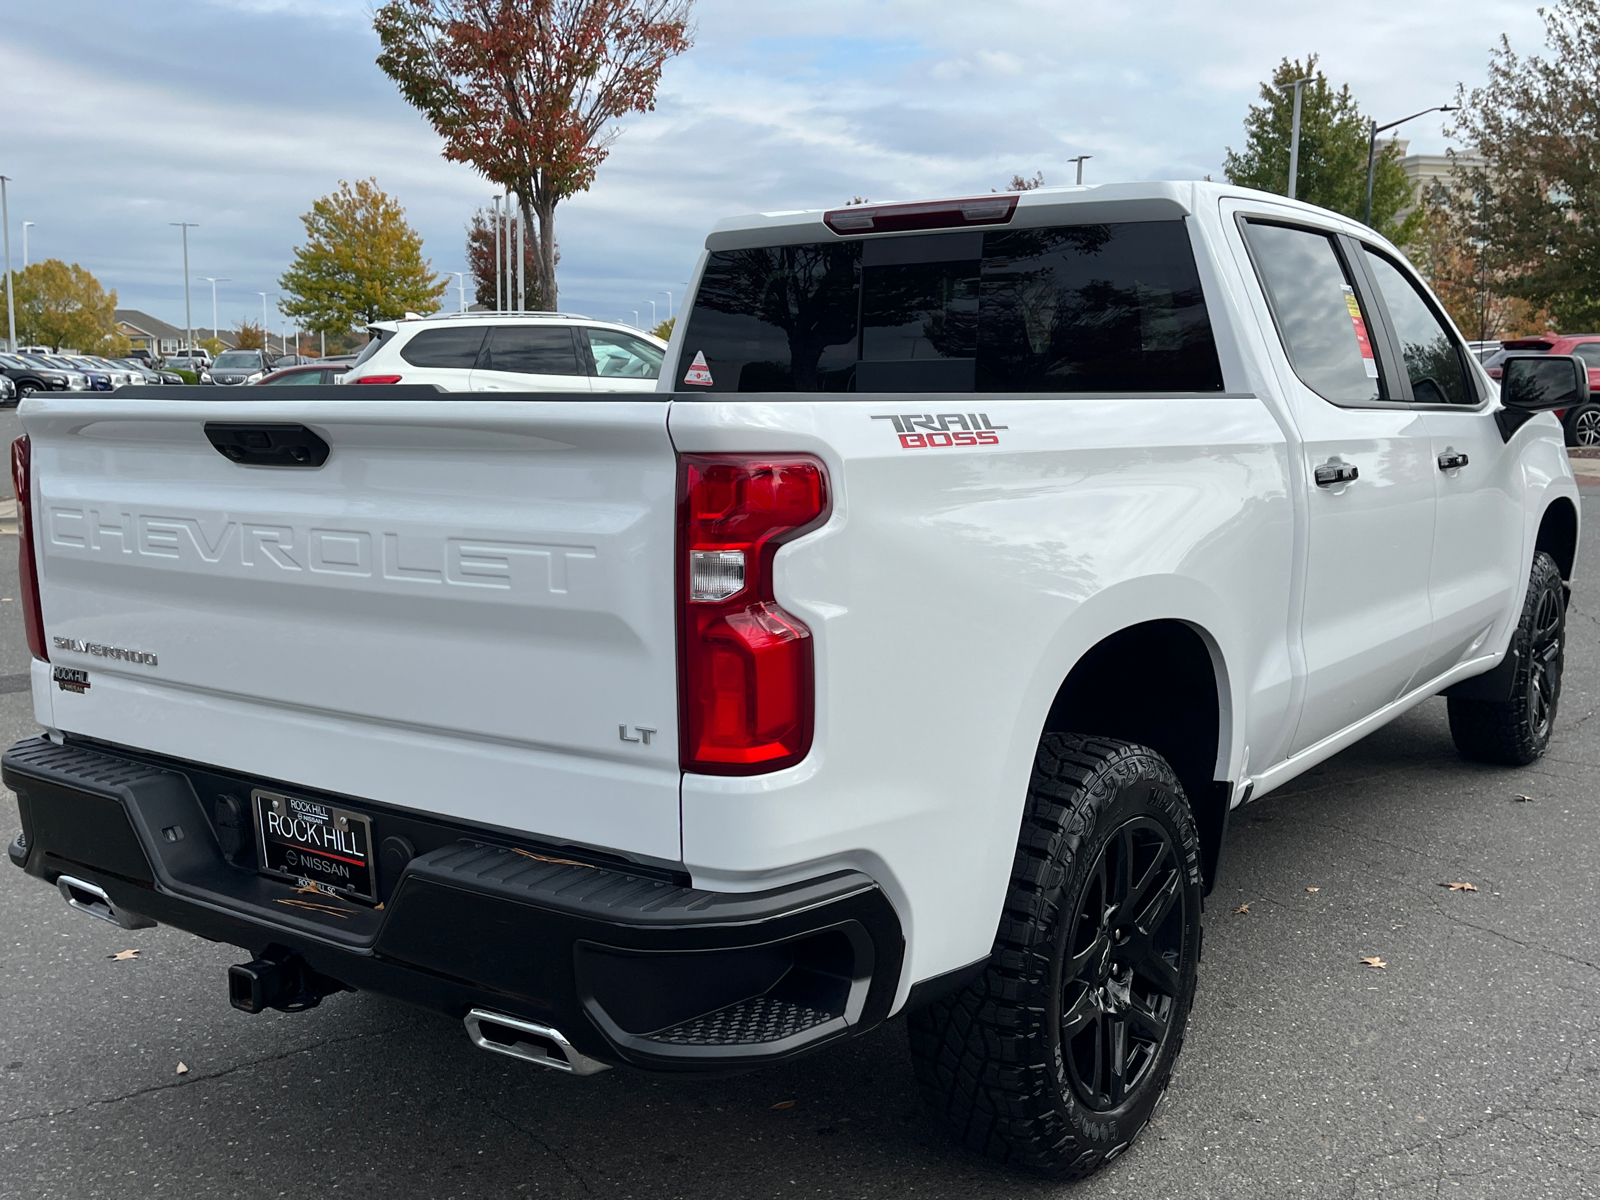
x=1558, y=534
x=1186, y=718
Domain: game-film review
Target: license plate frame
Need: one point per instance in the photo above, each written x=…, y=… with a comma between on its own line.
x=296, y=838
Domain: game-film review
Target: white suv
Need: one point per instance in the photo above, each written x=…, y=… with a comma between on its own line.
x=510, y=352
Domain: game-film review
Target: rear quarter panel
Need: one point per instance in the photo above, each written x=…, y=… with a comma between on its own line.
x=951, y=592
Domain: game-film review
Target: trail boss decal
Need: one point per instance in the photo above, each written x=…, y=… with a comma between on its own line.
x=70, y=680
x=929, y=431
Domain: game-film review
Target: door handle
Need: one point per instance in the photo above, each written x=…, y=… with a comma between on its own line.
x=1332, y=474
x=1452, y=460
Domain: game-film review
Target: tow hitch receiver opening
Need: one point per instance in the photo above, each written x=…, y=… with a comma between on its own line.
x=89, y=898
x=287, y=984
x=528, y=1041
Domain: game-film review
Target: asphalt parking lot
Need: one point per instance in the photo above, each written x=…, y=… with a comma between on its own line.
x=1468, y=1066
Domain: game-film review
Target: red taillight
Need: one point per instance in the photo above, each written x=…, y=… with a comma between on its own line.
x=744, y=665
x=27, y=568
x=377, y=379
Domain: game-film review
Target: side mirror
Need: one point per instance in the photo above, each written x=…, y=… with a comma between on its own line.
x=1536, y=383
x=1540, y=382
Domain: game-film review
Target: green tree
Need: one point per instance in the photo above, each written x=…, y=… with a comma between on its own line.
x=62, y=306
x=1333, y=152
x=362, y=262
x=212, y=346
x=1536, y=126
x=664, y=330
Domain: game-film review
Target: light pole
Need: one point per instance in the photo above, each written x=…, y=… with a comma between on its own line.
x=1080, y=160
x=26, y=225
x=263, y=296
x=11, y=309
x=188, y=310
x=461, y=283
x=668, y=295
x=1294, y=137
x=499, y=305
x=522, y=263
x=1372, y=147
x=213, y=283
x=635, y=313
x=653, y=321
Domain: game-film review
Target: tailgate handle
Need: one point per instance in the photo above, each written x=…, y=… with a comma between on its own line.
x=267, y=445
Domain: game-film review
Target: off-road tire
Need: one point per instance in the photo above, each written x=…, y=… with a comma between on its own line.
x=1516, y=732
x=994, y=1062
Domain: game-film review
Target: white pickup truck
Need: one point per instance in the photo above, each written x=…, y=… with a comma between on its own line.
x=906, y=651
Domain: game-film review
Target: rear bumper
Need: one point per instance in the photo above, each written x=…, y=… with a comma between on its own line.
x=631, y=964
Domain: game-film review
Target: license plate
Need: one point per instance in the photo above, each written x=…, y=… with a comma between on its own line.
x=315, y=843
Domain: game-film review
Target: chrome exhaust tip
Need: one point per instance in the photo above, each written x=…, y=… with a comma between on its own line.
x=92, y=899
x=528, y=1041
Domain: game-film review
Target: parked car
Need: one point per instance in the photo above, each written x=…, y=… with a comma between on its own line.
x=480, y=352
x=1483, y=351
x=77, y=381
x=30, y=377
x=119, y=375
x=905, y=651
x=142, y=372
x=100, y=379
x=148, y=357
x=234, y=367
x=188, y=360
x=315, y=374
x=291, y=360
x=1582, y=423
x=8, y=392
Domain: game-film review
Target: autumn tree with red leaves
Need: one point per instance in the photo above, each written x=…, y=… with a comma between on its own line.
x=526, y=90
x=481, y=260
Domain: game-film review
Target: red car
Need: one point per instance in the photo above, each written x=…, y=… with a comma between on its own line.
x=308, y=375
x=1582, y=423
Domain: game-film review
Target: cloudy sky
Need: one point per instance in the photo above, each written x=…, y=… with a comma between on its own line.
x=116, y=119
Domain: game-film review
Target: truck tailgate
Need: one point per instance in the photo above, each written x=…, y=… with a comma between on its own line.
x=467, y=610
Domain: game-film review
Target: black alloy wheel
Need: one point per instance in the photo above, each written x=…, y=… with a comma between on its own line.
x=1056, y=1055
x=1544, y=674
x=1120, y=985
x=1516, y=731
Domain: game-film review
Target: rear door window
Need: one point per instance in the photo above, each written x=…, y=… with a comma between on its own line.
x=451, y=348
x=1589, y=352
x=1100, y=308
x=1433, y=357
x=533, y=350
x=1324, y=329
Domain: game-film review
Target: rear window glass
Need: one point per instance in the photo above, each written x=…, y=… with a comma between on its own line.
x=1096, y=308
x=450, y=347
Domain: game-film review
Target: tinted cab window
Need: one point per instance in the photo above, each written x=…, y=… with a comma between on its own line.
x=1320, y=321
x=1433, y=358
x=1096, y=308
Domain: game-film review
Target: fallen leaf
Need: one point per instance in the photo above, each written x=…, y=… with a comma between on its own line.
x=1460, y=887
x=781, y=1104
x=1313, y=889
x=1374, y=961
x=545, y=858
x=123, y=955
x=183, y=1068
x=1523, y=799
x=1242, y=910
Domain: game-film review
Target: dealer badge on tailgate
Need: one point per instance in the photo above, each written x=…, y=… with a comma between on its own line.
x=315, y=844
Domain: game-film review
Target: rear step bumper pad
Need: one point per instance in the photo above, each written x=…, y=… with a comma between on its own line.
x=631, y=967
